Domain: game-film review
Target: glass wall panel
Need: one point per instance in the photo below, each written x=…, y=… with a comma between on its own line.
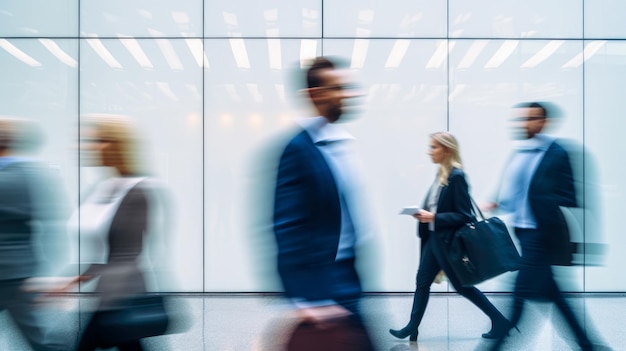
x=34, y=18
x=141, y=18
x=404, y=86
x=605, y=74
x=40, y=83
x=250, y=104
x=516, y=19
x=394, y=19
x=273, y=18
x=605, y=19
x=488, y=77
x=158, y=83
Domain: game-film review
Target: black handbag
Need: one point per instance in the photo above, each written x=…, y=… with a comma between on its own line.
x=138, y=317
x=481, y=250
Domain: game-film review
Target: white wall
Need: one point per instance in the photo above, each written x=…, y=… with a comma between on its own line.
x=214, y=92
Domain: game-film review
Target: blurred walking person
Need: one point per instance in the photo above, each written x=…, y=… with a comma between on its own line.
x=116, y=212
x=25, y=202
x=315, y=218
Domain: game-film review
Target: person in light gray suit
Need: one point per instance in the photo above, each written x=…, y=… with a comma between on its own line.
x=24, y=205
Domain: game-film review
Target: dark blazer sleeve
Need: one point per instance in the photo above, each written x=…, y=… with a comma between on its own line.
x=454, y=208
x=307, y=221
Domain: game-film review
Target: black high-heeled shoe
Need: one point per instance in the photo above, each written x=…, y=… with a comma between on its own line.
x=499, y=330
x=409, y=331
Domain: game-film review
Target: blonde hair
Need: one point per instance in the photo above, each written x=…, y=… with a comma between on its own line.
x=119, y=129
x=449, y=142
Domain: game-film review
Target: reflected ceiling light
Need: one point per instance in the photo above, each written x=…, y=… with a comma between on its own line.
x=434, y=93
x=232, y=92
x=230, y=18
x=197, y=51
x=309, y=13
x=145, y=13
x=366, y=16
x=132, y=45
x=165, y=89
x=180, y=17
x=18, y=54
x=170, y=54
x=359, y=50
x=397, y=53
x=441, y=53
x=54, y=48
x=590, y=50
x=194, y=120
x=271, y=15
x=280, y=91
x=543, y=54
x=167, y=50
x=472, y=53
x=104, y=54
x=392, y=92
x=374, y=88
x=458, y=89
x=240, y=53
x=254, y=92
x=193, y=89
x=226, y=120
x=503, y=53
x=308, y=51
x=273, y=49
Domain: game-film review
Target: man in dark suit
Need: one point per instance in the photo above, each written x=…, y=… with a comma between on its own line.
x=24, y=206
x=537, y=182
x=314, y=213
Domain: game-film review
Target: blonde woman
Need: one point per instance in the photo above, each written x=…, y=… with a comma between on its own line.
x=115, y=213
x=446, y=208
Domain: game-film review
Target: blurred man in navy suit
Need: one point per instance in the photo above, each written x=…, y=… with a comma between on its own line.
x=315, y=213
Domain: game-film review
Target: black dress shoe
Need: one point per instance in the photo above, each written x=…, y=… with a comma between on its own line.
x=499, y=330
x=404, y=332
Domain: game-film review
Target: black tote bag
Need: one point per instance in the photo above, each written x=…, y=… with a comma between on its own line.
x=481, y=250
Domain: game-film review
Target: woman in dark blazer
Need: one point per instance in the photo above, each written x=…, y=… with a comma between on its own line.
x=446, y=208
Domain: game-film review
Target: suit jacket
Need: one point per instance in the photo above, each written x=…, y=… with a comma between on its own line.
x=454, y=208
x=551, y=187
x=307, y=226
x=28, y=201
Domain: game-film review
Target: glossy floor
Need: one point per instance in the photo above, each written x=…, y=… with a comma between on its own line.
x=249, y=322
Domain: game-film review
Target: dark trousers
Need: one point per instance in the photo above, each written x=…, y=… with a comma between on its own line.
x=431, y=262
x=92, y=337
x=20, y=306
x=535, y=280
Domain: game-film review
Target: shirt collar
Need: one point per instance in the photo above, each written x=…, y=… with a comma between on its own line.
x=538, y=142
x=321, y=131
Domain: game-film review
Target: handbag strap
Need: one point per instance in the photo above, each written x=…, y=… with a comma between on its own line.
x=476, y=208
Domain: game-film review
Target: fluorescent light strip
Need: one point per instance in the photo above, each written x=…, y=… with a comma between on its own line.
x=170, y=54
x=240, y=53
x=165, y=89
x=472, y=53
x=543, y=54
x=280, y=90
x=397, y=53
x=232, y=92
x=18, y=54
x=457, y=91
x=54, y=48
x=274, y=49
x=441, y=53
x=132, y=45
x=254, y=91
x=590, y=50
x=197, y=51
x=104, y=54
x=503, y=53
x=308, y=51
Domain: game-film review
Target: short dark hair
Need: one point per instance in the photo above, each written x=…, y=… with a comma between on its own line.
x=320, y=63
x=545, y=110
